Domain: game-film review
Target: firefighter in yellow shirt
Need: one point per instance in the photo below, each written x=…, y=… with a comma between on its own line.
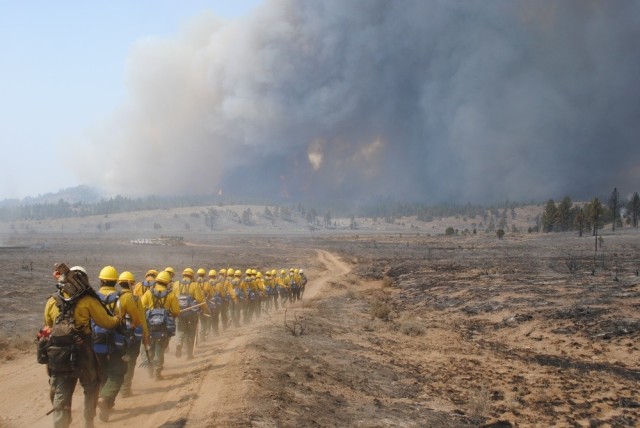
x=111, y=345
x=136, y=326
x=247, y=291
x=173, y=284
x=268, y=291
x=205, y=310
x=237, y=304
x=285, y=290
x=214, y=301
x=189, y=297
x=225, y=290
x=149, y=280
x=161, y=308
x=260, y=290
x=296, y=284
x=80, y=310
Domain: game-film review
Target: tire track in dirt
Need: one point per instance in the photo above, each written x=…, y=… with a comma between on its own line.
x=189, y=394
x=335, y=268
x=224, y=386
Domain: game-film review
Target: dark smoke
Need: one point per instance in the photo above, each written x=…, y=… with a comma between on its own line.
x=417, y=100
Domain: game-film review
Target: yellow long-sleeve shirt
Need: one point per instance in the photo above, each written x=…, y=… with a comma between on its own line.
x=192, y=288
x=170, y=301
x=225, y=288
x=259, y=287
x=236, y=284
x=205, y=289
x=280, y=281
x=132, y=305
x=87, y=308
x=141, y=287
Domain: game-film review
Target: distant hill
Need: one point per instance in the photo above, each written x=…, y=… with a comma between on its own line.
x=71, y=195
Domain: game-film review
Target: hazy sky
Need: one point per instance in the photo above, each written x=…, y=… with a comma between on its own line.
x=429, y=100
x=62, y=73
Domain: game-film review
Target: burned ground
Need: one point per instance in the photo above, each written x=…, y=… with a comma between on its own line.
x=423, y=331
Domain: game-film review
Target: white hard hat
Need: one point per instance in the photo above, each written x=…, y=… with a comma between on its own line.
x=301, y=271
x=79, y=269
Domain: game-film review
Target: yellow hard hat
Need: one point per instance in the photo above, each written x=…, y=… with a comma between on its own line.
x=282, y=272
x=126, y=276
x=202, y=272
x=163, y=278
x=188, y=272
x=273, y=272
x=247, y=272
x=237, y=273
x=151, y=272
x=259, y=275
x=254, y=272
x=108, y=273
x=222, y=271
x=230, y=272
x=267, y=273
x=295, y=271
x=213, y=272
x=290, y=269
x=170, y=270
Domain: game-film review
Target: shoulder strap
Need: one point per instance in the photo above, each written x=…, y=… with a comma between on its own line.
x=65, y=307
x=159, y=298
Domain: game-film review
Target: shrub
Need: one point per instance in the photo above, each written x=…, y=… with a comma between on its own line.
x=412, y=328
x=379, y=309
x=450, y=231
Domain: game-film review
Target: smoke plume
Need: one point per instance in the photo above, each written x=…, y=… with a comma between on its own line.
x=417, y=100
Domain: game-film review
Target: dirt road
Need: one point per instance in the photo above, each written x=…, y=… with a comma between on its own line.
x=214, y=382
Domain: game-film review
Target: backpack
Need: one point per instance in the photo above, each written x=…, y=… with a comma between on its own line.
x=159, y=320
x=186, y=300
x=59, y=350
x=146, y=285
x=137, y=332
x=238, y=290
x=107, y=341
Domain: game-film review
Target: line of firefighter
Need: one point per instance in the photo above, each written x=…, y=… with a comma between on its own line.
x=213, y=303
x=227, y=296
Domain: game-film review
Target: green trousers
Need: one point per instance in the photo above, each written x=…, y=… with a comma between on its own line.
x=112, y=369
x=62, y=385
x=133, y=350
x=187, y=328
x=157, y=347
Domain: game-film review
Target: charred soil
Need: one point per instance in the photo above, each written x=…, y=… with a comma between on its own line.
x=393, y=330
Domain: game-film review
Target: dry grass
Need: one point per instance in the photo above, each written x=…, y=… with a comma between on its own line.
x=479, y=405
x=386, y=282
x=379, y=309
x=10, y=348
x=409, y=324
x=412, y=328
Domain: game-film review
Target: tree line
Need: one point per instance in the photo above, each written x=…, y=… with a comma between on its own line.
x=556, y=217
x=591, y=216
